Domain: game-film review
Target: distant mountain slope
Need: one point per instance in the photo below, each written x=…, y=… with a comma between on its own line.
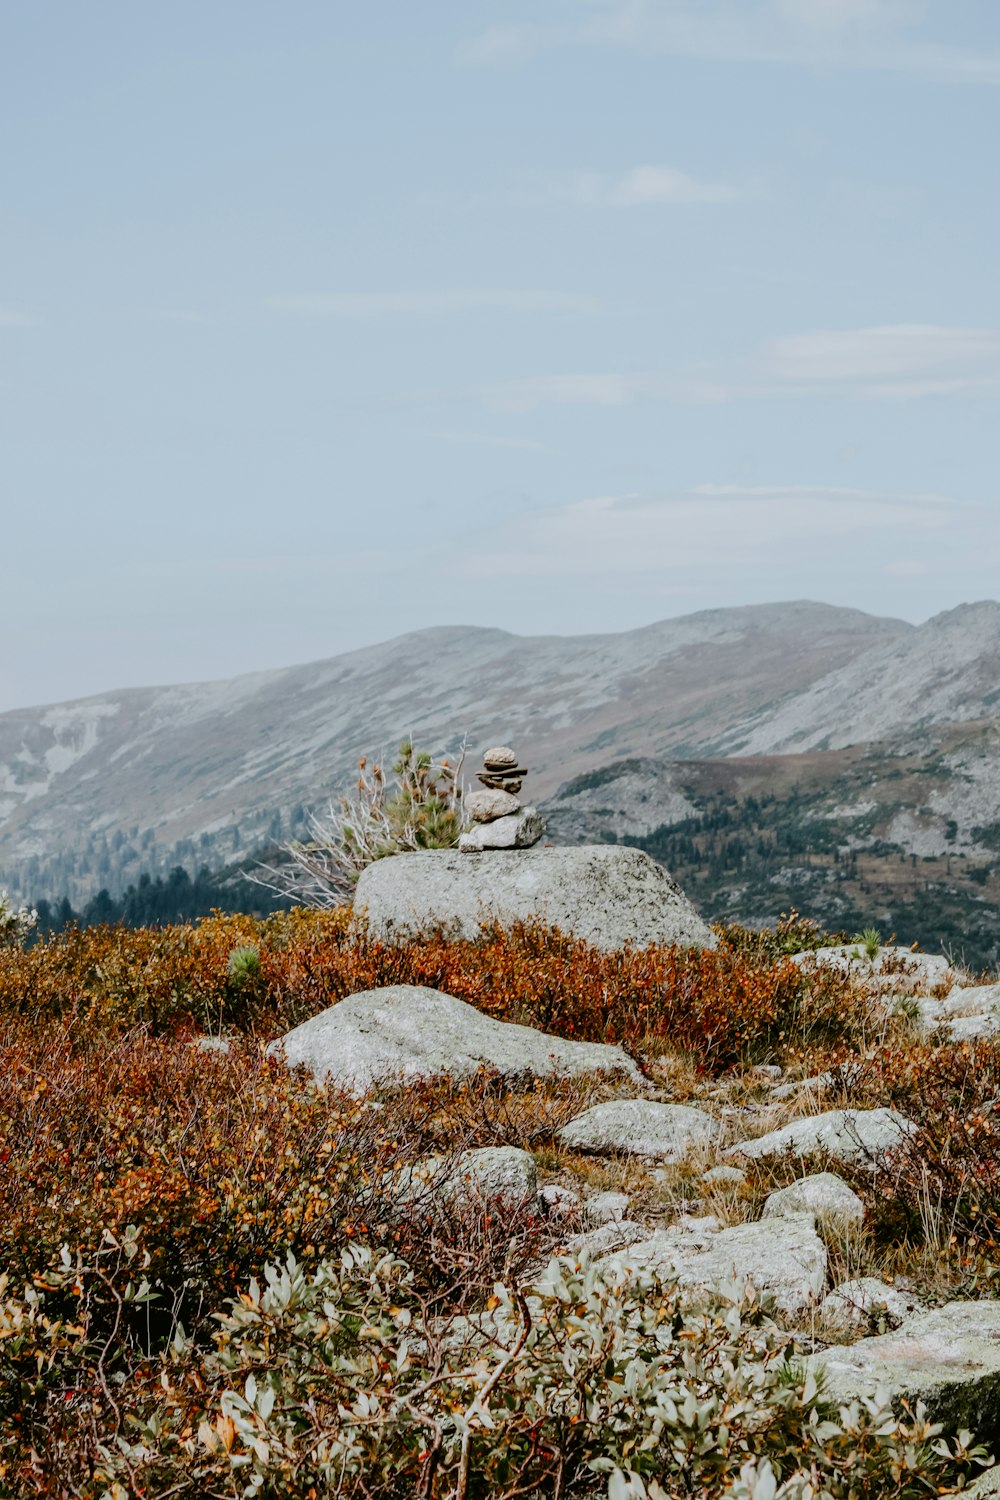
x=942, y=672
x=91, y=792
x=95, y=791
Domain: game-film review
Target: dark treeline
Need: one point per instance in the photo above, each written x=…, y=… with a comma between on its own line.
x=155, y=902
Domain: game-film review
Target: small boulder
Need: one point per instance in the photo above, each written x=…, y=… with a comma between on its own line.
x=850, y=1134
x=560, y=1202
x=610, y=895
x=784, y=1259
x=406, y=1032
x=853, y=1305
x=948, y=1358
x=639, y=1127
x=606, y=1208
x=724, y=1177
x=493, y=1176
x=824, y=1195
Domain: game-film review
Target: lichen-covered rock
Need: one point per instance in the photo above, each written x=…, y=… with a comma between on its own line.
x=948, y=1358
x=785, y=1259
x=985, y=1487
x=824, y=1195
x=850, y=1308
x=493, y=1175
x=606, y=1208
x=609, y=894
x=640, y=1127
x=406, y=1031
x=850, y=1134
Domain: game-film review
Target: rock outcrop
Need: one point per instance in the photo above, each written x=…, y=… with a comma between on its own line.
x=612, y=896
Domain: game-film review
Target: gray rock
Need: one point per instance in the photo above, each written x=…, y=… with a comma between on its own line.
x=850, y=1134
x=517, y=830
x=638, y=1127
x=896, y=968
x=824, y=1194
x=611, y=895
x=724, y=1177
x=606, y=1239
x=406, y=1032
x=487, y=804
x=988, y=1484
x=850, y=1307
x=493, y=1175
x=948, y=1358
x=784, y=1259
x=499, y=758
x=559, y=1201
x=606, y=1208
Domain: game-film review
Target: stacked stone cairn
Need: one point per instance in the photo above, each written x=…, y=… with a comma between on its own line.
x=498, y=819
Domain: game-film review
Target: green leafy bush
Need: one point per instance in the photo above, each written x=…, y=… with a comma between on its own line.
x=340, y=1381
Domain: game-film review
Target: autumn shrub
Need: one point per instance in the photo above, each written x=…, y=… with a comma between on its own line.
x=340, y=1380
x=943, y=1186
x=724, y=1004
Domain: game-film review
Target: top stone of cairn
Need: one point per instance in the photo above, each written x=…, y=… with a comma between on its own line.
x=500, y=758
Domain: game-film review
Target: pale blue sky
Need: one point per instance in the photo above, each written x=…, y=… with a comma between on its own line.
x=323, y=322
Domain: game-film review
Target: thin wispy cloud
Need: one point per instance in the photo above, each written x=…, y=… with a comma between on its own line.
x=431, y=303
x=895, y=362
x=879, y=34
x=635, y=534
x=640, y=187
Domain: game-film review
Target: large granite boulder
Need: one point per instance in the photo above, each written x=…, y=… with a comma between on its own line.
x=949, y=1359
x=611, y=895
x=640, y=1127
x=407, y=1032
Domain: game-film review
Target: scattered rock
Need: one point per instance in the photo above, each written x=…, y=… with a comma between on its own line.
x=784, y=1259
x=606, y=1208
x=850, y=1134
x=898, y=970
x=559, y=1201
x=824, y=1194
x=221, y=1045
x=948, y=1358
x=639, y=1127
x=517, y=830
x=606, y=1239
x=851, y=1306
x=724, y=1177
x=493, y=1175
x=611, y=895
x=406, y=1031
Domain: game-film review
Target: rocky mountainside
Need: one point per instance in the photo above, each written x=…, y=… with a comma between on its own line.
x=92, y=792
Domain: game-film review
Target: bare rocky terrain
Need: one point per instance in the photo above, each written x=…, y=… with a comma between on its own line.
x=877, y=739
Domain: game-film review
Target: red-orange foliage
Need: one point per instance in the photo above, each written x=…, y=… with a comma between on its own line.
x=720, y=1005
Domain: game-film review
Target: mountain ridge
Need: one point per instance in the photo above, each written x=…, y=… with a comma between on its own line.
x=95, y=790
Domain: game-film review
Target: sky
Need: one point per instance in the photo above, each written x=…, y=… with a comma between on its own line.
x=321, y=323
